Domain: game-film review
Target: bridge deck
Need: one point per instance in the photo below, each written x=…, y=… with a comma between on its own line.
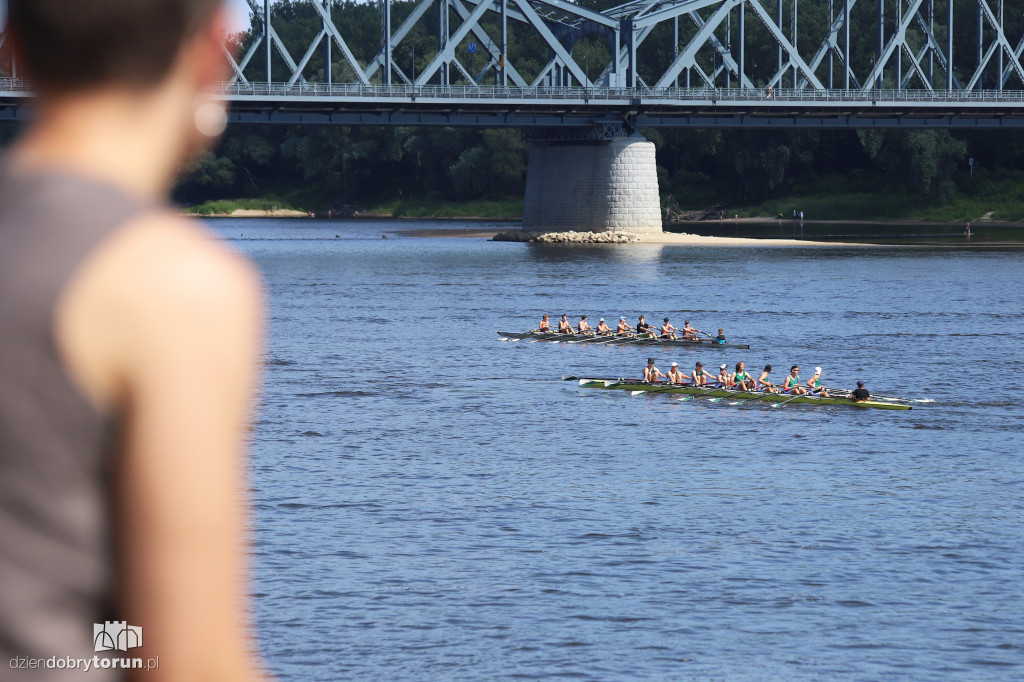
x=488, y=106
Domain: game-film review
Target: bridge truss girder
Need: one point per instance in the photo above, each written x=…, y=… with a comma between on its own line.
x=915, y=47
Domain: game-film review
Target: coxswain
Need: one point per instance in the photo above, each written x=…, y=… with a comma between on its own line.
x=765, y=383
x=792, y=383
x=667, y=330
x=585, y=328
x=545, y=325
x=722, y=380
x=721, y=336
x=741, y=379
x=652, y=373
x=689, y=332
x=860, y=394
x=623, y=327
x=700, y=377
x=644, y=329
x=814, y=384
x=564, y=326
x=602, y=328
x=675, y=375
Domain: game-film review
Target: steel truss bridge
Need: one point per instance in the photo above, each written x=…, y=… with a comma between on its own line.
x=948, y=63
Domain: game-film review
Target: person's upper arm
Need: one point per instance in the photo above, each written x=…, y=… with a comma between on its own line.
x=191, y=349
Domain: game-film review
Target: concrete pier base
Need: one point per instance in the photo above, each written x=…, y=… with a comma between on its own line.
x=600, y=186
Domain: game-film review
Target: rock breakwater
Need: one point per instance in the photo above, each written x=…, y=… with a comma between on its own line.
x=571, y=237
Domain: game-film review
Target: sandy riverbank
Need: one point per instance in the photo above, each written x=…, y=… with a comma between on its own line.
x=681, y=238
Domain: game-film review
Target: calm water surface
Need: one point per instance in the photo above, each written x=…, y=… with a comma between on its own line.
x=434, y=503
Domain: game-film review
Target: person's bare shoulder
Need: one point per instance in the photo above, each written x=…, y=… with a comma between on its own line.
x=160, y=286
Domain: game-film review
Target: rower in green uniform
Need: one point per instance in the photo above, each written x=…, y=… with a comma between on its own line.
x=814, y=384
x=652, y=373
x=765, y=383
x=723, y=380
x=675, y=375
x=700, y=377
x=792, y=383
x=740, y=379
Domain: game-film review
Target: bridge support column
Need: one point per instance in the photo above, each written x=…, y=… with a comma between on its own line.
x=592, y=186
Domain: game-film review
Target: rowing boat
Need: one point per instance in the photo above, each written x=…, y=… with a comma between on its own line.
x=638, y=386
x=615, y=339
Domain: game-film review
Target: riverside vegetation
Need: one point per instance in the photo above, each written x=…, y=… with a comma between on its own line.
x=449, y=172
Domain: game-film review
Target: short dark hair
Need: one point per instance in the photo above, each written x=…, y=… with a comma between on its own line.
x=87, y=43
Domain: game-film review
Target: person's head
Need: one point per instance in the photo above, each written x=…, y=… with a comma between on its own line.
x=740, y=366
x=565, y=317
x=162, y=53
x=723, y=368
x=860, y=384
x=687, y=323
x=666, y=320
x=675, y=366
x=794, y=369
x=545, y=316
x=622, y=319
x=721, y=331
x=641, y=318
x=699, y=366
x=767, y=368
x=584, y=317
x=817, y=371
x=650, y=361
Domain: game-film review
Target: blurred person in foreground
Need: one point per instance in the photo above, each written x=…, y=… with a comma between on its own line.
x=129, y=346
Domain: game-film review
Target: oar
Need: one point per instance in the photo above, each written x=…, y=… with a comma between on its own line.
x=788, y=400
x=698, y=395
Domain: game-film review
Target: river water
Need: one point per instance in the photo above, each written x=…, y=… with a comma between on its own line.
x=434, y=503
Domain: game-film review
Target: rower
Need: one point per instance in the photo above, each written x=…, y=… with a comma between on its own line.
x=652, y=373
x=741, y=380
x=861, y=394
x=584, y=327
x=721, y=336
x=792, y=383
x=667, y=330
x=675, y=375
x=545, y=325
x=722, y=380
x=602, y=328
x=623, y=327
x=644, y=329
x=564, y=327
x=700, y=377
x=766, y=385
x=814, y=383
x=689, y=332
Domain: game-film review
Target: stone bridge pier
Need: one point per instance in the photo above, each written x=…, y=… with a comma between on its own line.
x=608, y=185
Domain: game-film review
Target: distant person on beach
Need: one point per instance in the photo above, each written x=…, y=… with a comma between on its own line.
x=129, y=354
x=967, y=230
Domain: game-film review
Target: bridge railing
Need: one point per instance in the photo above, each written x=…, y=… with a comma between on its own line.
x=646, y=94
x=18, y=87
